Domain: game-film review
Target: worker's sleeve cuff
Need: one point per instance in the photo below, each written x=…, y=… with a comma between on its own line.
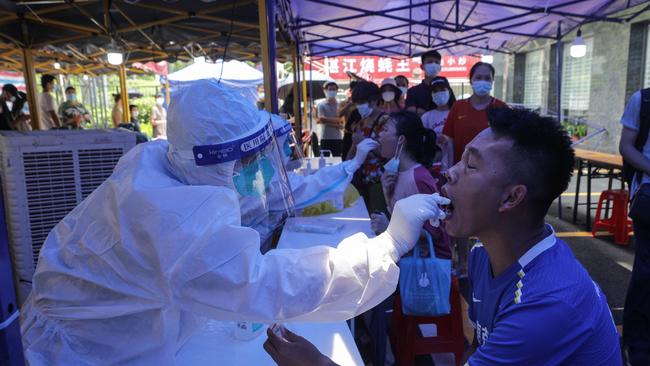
x=387, y=244
x=351, y=166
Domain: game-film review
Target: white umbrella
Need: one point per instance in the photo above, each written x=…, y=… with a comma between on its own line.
x=235, y=74
x=315, y=83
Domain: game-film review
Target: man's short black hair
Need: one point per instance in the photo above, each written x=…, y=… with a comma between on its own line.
x=69, y=88
x=541, y=157
x=132, y=107
x=365, y=91
x=432, y=53
x=402, y=77
x=46, y=79
x=479, y=64
x=11, y=89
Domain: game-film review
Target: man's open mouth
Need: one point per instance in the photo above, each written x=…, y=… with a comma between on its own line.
x=449, y=208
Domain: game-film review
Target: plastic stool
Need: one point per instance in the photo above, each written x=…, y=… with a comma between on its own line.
x=618, y=223
x=407, y=341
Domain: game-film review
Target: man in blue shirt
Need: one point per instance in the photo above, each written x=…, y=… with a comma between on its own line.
x=532, y=302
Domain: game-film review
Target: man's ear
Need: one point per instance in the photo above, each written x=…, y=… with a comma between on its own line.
x=513, y=197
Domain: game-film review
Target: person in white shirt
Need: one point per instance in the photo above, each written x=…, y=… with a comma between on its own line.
x=49, y=117
x=331, y=134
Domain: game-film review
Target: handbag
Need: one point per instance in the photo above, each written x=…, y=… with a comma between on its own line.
x=424, y=283
x=640, y=206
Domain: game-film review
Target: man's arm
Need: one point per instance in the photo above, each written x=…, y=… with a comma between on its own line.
x=630, y=153
x=330, y=121
x=345, y=109
x=55, y=118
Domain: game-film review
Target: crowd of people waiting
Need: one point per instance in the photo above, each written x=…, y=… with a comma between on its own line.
x=430, y=142
x=72, y=114
x=429, y=111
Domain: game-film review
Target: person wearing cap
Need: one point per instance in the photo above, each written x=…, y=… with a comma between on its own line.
x=330, y=126
x=13, y=102
x=390, y=95
x=138, y=267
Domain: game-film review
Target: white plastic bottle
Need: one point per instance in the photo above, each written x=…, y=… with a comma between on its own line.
x=308, y=167
x=246, y=331
x=321, y=161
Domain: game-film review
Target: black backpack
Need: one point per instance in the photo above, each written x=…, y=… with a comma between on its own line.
x=644, y=130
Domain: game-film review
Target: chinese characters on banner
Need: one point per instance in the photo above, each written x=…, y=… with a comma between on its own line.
x=374, y=68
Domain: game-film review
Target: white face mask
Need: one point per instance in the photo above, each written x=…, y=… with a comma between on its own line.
x=160, y=101
x=364, y=110
x=404, y=90
x=330, y=93
x=482, y=87
x=432, y=69
x=388, y=96
x=136, y=114
x=393, y=164
x=441, y=97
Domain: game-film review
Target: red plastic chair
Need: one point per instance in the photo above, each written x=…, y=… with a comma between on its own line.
x=618, y=223
x=407, y=341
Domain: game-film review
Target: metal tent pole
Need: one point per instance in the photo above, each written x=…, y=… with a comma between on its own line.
x=32, y=92
x=558, y=66
x=297, y=116
x=266, y=9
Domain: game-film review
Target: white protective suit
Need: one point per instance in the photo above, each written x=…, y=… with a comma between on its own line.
x=138, y=266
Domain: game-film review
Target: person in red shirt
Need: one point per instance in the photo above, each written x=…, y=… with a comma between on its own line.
x=468, y=117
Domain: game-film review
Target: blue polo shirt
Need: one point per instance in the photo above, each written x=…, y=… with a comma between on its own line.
x=543, y=310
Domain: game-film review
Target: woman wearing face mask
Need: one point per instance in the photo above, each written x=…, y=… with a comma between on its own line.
x=467, y=118
x=435, y=119
x=367, y=180
x=411, y=149
x=159, y=118
x=390, y=95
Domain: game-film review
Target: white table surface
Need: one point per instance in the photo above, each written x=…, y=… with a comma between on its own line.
x=215, y=345
x=354, y=220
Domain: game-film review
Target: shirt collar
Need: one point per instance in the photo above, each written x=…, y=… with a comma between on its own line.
x=538, y=248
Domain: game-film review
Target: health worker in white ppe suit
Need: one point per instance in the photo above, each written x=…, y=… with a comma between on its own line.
x=134, y=270
x=328, y=183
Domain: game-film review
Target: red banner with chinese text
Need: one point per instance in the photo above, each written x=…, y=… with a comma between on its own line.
x=374, y=68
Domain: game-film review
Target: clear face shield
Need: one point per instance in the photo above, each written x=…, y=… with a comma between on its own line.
x=289, y=145
x=259, y=178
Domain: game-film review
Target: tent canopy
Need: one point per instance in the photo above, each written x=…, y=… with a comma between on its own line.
x=79, y=33
x=457, y=27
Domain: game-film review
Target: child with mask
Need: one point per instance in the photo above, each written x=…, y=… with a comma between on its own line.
x=411, y=149
x=435, y=119
x=467, y=118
